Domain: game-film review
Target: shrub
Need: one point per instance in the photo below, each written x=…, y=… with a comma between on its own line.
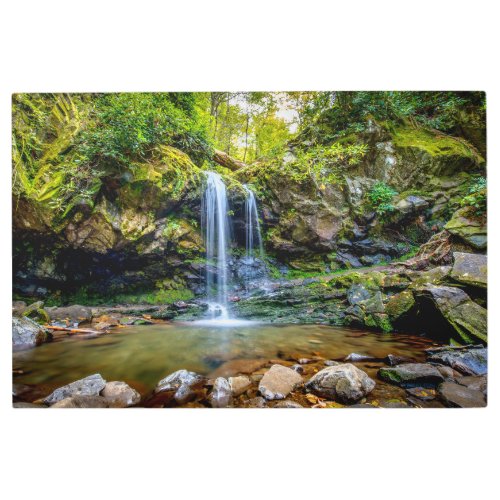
x=381, y=196
x=476, y=197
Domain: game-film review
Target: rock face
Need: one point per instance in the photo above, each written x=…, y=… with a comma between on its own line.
x=471, y=360
x=412, y=375
x=75, y=314
x=27, y=333
x=344, y=383
x=278, y=382
x=467, y=318
x=457, y=395
x=120, y=394
x=470, y=268
x=88, y=386
x=82, y=402
x=221, y=393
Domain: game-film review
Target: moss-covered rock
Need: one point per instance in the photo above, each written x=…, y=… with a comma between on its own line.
x=470, y=229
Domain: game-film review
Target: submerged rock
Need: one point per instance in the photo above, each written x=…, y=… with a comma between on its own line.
x=88, y=386
x=469, y=360
x=120, y=394
x=82, y=402
x=221, y=396
x=278, y=382
x=457, y=395
x=343, y=382
x=470, y=268
x=412, y=375
x=27, y=333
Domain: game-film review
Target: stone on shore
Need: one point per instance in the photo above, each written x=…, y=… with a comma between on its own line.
x=278, y=382
x=27, y=333
x=79, y=401
x=456, y=395
x=88, y=386
x=412, y=375
x=120, y=395
x=221, y=396
x=239, y=384
x=468, y=360
x=74, y=315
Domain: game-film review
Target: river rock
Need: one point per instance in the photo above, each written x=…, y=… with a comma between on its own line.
x=344, y=383
x=74, y=314
x=457, y=395
x=27, y=333
x=394, y=360
x=175, y=380
x=286, y=403
x=469, y=360
x=476, y=383
x=470, y=268
x=239, y=384
x=81, y=401
x=412, y=375
x=184, y=395
x=221, y=396
x=298, y=368
x=355, y=357
x=120, y=395
x=237, y=366
x=422, y=393
x=88, y=386
x=257, y=402
x=278, y=382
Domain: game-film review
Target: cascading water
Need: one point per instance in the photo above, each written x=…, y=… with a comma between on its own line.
x=215, y=225
x=252, y=225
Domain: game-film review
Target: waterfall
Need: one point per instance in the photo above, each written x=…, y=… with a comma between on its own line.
x=252, y=228
x=215, y=227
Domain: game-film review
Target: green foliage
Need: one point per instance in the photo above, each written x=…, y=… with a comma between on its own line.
x=380, y=197
x=476, y=197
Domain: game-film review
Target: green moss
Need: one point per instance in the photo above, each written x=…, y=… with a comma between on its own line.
x=434, y=144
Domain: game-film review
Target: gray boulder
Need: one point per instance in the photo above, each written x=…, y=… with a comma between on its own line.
x=278, y=382
x=456, y=395
x=357, y=294
x=27, y=333
x=88, y=386
x=412, y=375
x=74, y=314
x=469, y=360
x=82, y=402
x=239, y=384
x=470, y=268
x=221, y=396
x=344, y=383
x=181, y=377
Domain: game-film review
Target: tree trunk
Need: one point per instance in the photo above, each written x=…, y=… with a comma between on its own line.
x=227, y=161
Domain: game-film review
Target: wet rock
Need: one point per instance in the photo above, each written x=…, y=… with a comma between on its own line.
x=221, y=396
x=239, y=385
x=422, y=393
x=469, y=360
x=446, y=371
x=457, y=395
x=399, y=304
x=175, y=380
x=331, y=362
x=74, y=315
x=472, y=382
x=257, y=402
x=298, y=368
x=394, y=360
x=355, y=357
x=344, y=383
x=27, y=333
x=184, y=395
x=357, y=294
x=471, y=230
x=278, y=382
x=412, y=375
x=470, y=268
x=287, y=404
x=82, y=402
x=120, y=395
x=88, y=386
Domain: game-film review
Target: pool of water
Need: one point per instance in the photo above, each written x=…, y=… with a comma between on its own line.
x=142, y=355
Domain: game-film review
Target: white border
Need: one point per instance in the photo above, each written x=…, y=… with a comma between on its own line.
x=258, y=45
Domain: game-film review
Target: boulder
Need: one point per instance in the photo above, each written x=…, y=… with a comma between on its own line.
x=88, y=386
x=469, y=360
x=175, y=380
x=456, y=395
x=467, y=318
x=221, y=396
x=74, y=315
x=476, y=383
x=239, y=384
x=120, y=395
x=27, y=333
x=399, y=304
x=278, y=382
x=412, y=375
x=471, y=230
x=470, y=269
x=184, y=394
x=18, y=307
x=344, y=383
x=357, y=294
x=82, y=402
x=394, y=360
